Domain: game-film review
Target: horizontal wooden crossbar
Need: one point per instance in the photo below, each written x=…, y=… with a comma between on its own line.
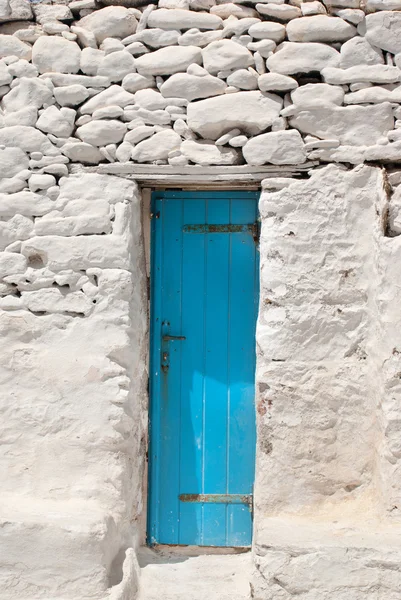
x=218, y=498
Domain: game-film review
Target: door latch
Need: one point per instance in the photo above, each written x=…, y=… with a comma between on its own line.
x=171, y=338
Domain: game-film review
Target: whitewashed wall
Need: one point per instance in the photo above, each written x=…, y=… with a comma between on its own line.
x=178, y=84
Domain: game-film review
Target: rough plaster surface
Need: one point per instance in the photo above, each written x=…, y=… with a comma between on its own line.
x=73, y=380
x=181, y=83
x=185, y=573
x=327, y=492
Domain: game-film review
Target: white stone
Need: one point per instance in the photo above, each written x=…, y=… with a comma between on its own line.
x=115, y=95
x=362, y=73
x=201, y=4
x=243, y=79
x=41, y=182
x=86, y=38
x=358, y=51
x=169, y=60
x=110, y=45
x=155, y=38
x=252, y=112
x=59, y=170
x=382, y=29
x=136, y=135
x=227, y=137
x=292, y=57
x=10, y=185
x=373, y=95
x=32, y=93
x=15, y=10
x=277, y=148
x=183, y=4
x=24, y=203
x=270, y=82
x=83, y=224
x=45, y=13
x=267, y=30
x=15, y=229
x=22, y=68
x=53, y=301
x=322, y=144
x=197, y=70
x=204, y=152
x=123, y=152
x=29, y=34
x=53, y=53
x=341, y=3
x=12, y=161
x=191, y=87
x=101, y=133
x=111, y=21
x=351, y=15
x=12, y=46
x=281, y=12
x=91, y=59
x=194, y=37
x=157, y=147
x=25, y=116
x=55, y=27
x=59, y=122
x=238, y=141
x=117, y=65
x=71, y=95
x=134, y=82
x=150, y=99
x=313, y=95
x=137, y=49
x=108, y=112
x=320, y=28
x=352, y=125
x=264, y=47
x=92, y=187
x=237, y=27
x=151, y=117
x=276, y=183
x=11, y=262
x=312, y=8
x=61, y=79
x=373, y=5
x=28, y=139
x=225, y=54
x=5, y=76
x=229, y=8
x=183, y=19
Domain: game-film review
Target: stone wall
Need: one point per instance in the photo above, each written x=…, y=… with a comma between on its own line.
x=196, y=82
x=73, y=319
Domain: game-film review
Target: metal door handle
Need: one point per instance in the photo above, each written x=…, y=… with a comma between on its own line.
x=170, y=338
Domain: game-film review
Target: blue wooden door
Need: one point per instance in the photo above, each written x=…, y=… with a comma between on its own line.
x=204, y=302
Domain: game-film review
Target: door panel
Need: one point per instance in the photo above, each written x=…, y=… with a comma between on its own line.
x=202, y=420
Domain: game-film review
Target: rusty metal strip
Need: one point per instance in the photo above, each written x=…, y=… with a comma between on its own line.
x=210, y=228
x=218, y=498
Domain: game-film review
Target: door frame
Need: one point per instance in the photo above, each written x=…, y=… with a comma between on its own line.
x=147, y=217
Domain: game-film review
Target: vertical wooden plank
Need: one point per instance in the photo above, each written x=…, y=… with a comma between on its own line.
x=242, y=352
x=170, y=380
x=154, y=494
x=216, y=372
x=192, y=379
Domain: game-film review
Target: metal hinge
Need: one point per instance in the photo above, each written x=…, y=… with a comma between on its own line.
x=219, y=499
